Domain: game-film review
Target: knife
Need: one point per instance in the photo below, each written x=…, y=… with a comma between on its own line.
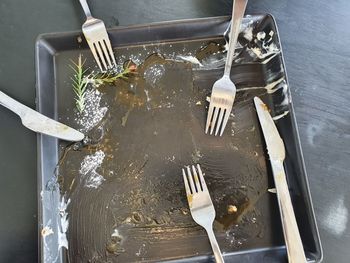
x=39, y=123
x=276, y=151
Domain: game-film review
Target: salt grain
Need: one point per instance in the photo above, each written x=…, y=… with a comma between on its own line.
x=93, y=112
x=88, y=169
x=154, y=73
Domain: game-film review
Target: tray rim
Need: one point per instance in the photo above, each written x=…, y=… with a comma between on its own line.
x=41, y=42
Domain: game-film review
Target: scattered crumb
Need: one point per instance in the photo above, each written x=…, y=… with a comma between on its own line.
x=272, y=190
x=46, y=231
x=184, y=211
x=261, y=35
x=198, y=103
x=114, y=245
x=231, y=209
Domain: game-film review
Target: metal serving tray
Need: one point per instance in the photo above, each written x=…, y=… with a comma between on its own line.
x=159, y=227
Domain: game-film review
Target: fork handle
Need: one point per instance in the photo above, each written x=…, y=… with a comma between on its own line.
x=214, y=245
x=238, y=10
x=86, y=8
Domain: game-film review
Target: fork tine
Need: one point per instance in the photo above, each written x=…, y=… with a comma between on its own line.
x=187, y=187
x=100, y=53
x=189, y=176
x=93, y=50
x=227, y=115
x=212, y=125
x=201, y=178
x=110, y=50
x=196, y=180
x=209, y=117
x=222, y=111
x=105, y=52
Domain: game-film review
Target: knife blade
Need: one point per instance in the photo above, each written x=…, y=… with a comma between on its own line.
x=38, y=122
x=276, y=152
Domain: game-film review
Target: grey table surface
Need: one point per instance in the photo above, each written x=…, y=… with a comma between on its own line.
x=316, y=41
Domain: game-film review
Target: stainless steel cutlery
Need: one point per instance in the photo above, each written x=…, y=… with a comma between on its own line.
x=39, y=123
x=224, y=90
x=201, y=206
x=97, y=38
x=276, y=151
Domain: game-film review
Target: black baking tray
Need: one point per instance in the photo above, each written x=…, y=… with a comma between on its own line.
x=237, y=164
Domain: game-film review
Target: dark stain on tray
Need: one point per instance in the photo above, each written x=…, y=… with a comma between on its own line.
x=153, y=127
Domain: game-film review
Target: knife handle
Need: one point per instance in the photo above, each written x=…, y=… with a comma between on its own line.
x=11, y=104
x=291, y=233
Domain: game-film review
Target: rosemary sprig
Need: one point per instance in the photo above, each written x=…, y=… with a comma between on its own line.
x=80, y=83
x=112, y=77
x=80, y=80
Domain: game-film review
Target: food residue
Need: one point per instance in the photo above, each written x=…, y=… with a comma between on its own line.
x=231, y=209
x=46, y=231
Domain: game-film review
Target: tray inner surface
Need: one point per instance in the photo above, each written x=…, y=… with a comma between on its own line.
x=124, y=192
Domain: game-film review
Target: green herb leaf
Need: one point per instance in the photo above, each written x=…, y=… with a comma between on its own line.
x=79, y=83
x=108, y=78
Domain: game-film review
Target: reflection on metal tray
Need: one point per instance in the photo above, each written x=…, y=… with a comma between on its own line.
x=131, y=205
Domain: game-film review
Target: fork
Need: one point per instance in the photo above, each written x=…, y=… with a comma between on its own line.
x=201, y=206
x=96, y=36
x=224, y=90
